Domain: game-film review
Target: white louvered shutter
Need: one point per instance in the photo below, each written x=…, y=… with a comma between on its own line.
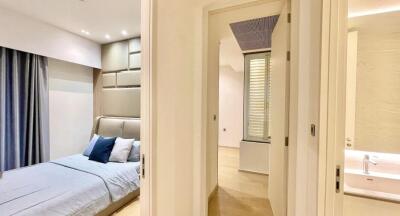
x=257, y=96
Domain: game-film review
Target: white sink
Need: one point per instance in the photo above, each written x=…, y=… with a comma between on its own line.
x=374, y=184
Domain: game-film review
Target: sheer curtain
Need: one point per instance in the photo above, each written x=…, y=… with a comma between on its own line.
x=24, y=118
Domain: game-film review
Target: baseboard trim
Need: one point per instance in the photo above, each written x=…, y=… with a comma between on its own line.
x=213, y=193
x=253, y=172
x=229, y=147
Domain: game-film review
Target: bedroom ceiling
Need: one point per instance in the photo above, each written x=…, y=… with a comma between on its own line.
x=367, y=7
x=92, y=19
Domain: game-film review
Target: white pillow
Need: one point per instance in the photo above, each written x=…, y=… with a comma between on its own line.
x=134, y=156
x=121, y=150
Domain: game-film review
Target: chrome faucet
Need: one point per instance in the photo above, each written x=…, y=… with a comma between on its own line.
x=366, y=162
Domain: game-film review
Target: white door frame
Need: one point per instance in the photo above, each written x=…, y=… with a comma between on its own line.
x=148, y=116
x=332, y=106
x=297, y=135
x=298, y=172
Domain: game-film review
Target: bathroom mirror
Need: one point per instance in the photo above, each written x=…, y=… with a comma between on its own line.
x=373, y=83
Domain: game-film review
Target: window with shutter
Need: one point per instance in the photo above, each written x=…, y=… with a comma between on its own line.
x=257, y=94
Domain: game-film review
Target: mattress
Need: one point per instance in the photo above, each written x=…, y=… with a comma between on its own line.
x=72, y=185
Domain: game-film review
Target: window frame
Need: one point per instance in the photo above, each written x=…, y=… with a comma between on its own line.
x=246, y=137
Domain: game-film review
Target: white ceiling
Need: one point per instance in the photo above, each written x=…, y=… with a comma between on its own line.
x=367, y=7
x=98, y=17
x=374, y=25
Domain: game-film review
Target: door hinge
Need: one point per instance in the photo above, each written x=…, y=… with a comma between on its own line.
x=289, y=17
x=288, y=55
x=337, y=185
x=313, y=132
x=143, y=166
x=286, y=141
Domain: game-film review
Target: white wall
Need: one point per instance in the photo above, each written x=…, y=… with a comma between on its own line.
x=254, y=157
x=26, y=34
x=70, y=107
x=230, y=107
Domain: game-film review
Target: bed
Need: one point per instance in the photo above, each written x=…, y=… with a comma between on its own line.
x=74, y=185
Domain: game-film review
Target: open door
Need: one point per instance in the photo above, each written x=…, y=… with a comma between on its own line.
x=277, y=185
x=332, y=107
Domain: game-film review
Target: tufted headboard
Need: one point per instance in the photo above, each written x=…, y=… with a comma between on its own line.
x=127, y=128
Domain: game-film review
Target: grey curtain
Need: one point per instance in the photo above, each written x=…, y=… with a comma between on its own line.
x=24, y=120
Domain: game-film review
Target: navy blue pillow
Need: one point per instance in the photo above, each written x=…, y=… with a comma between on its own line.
x=102, y=149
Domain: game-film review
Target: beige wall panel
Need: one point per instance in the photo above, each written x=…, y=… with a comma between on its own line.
x=128, y=78
x=135, y=60
x=97, y=93
x=377, y=114
x=121, y=102
x=115, y=56
x=134, y=45
x=109, y=80
x=110, y=127
x=131, y=129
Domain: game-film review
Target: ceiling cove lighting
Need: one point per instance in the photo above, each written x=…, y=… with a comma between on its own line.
x=85, y=32
x=124, y=32
x=107, y=36
x=375, y=11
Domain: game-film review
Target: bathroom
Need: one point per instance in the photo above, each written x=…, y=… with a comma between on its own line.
x=372, y=117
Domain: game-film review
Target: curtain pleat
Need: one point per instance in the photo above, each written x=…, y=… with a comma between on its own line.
x=24, y=131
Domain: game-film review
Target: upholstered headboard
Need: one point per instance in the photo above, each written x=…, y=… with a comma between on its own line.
x=128, y=128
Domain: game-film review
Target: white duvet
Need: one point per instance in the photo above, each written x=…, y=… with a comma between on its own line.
x=69, y=186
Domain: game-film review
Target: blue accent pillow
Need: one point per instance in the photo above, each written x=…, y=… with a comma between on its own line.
x=134, y=155
x=91, y=145
x=102, y=149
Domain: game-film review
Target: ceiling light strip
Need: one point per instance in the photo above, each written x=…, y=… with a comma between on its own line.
x=375, y=11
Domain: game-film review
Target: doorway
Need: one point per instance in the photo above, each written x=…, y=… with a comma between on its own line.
x=365, y=143
x=238, y=125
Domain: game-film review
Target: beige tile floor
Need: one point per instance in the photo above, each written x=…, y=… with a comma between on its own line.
x=239, y=193
x=131, y=209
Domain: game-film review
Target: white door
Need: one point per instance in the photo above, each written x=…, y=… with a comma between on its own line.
x=279, y=115
x=351, y=80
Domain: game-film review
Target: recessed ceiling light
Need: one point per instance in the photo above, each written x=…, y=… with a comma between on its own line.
x=85, y=32
x=107, y=36
x=124, y=32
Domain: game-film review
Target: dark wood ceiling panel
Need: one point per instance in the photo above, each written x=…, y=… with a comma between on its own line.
x=254, y=34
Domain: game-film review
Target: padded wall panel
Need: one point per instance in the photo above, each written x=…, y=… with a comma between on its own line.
x=109, y=80
x=110, y=127
x=114, y=56
x=128, y=78
x=135, y=60
x=121, y=102
x=134, y=45
x=131, y=129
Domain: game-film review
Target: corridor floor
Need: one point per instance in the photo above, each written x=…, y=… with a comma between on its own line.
x=239, y=193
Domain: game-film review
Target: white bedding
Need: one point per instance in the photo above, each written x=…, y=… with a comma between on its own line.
x=68, y=186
